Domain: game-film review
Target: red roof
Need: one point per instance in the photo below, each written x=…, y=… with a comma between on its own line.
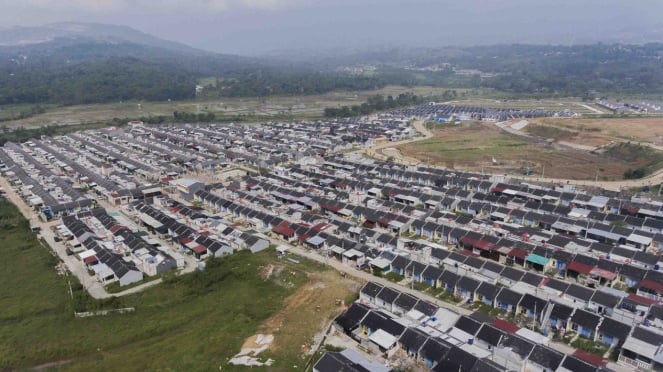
x=331, y=208
x=465, y=252
x=484, y=245
x=283, y=229
x=90, y=259
x=467, y=240
x=652, y=285
x=115, y=228
x=186, y=241
x=199, y=249
x=505, y=326
x=579, y=267
x=605, y=274
x=592, y=359
x=320, y=227
x=497, y=189
x=643, y=300
x=518, y=253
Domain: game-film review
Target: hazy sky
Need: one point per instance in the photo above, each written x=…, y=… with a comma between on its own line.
x=260, y=26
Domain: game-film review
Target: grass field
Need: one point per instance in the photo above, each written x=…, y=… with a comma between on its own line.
x=472, y=146
x=193, y=323
x=261, y=108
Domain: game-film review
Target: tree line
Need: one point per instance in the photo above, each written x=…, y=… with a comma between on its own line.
x=374, y=103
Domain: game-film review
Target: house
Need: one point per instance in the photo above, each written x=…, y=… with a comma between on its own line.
x=544, y=359
x=399, y=264
x=559, y=317
x=411, y=341
x=369, y=292
x=508, y=300
x=531, y=306
x=466, y=287
x=187, y=187
x=376, y=320
x=431, y=274
x=612, y=332
x=651, y=289
x=403, y=303
x=514, y=352
x=432, y=351
x=486, y=293
x=254, y=243
x=468, y=325
x=350, y=320
x=585, y=323
x=386, y=297
x=603, y=302
x=347, y=361
x=456, y=359
x=574, y=364
x=489, y=337
x=448, y=281
x=579, y=295
x=642, y=350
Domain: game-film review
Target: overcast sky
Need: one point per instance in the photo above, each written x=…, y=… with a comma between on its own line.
x=261, y=26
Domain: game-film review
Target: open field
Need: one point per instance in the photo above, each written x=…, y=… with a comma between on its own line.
x=596, y=132
x=193, y=322
x=261, y=108
x=576, y=105
x=472, y=146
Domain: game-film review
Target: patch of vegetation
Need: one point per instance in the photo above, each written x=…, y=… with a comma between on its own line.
x=590, y=346
x=393, y=277
x=190, y=322
x=550, y=132
x=8, y=113
x=374, y=103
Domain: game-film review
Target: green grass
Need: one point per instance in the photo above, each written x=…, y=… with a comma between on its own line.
x=548, y=132
x=590, y=346
x=193, y=322
x=393, y=277
x=464, y=148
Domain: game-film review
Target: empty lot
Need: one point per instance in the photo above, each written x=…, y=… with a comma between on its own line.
x=472, y=146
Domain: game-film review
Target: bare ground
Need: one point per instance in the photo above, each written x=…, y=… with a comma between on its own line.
x=473, y=146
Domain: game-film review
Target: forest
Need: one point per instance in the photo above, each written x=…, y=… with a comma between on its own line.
x=70, y=74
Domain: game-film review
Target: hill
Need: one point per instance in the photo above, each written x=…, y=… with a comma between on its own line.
x=35, y=35
x=76, y=63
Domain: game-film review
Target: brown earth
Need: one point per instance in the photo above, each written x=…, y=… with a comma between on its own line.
x=305, y=313
x=596, y=132
x=472, y=146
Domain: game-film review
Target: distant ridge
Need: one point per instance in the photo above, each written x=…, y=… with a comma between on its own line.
x=98, y=32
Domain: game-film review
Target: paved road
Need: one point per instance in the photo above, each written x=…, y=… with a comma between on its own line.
x=566, y=349
x=73, y=264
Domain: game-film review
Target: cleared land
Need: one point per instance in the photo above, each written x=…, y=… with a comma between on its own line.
x=472, y=146
x=260, y=108
x=597, y=132
x=193, y=322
